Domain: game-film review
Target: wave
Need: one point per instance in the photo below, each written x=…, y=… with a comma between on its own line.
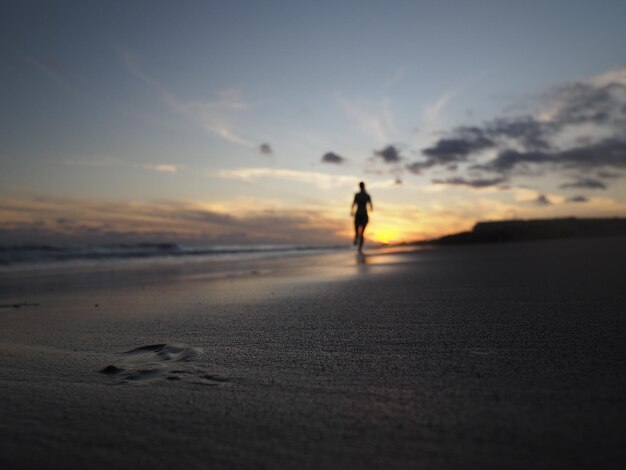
x=40, y=254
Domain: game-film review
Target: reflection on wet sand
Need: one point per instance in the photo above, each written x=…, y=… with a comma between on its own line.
x=361, y=262
x=387, y=255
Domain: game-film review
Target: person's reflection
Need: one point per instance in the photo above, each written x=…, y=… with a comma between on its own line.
x=361, y=262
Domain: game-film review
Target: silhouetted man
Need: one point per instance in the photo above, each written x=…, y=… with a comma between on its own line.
x=361, y=200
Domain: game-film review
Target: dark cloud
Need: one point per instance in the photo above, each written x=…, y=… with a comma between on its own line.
x=542, y=200
x=474, y=183
x=467, y=141
x=389, y=154
x=450, y=150
x=609, y=175
x=266, y=149
x=416, y=167
x=454, y=150
x=587, y=183
x=528, y=145
x=507, y=160
x=607, y=153
x=578, y=199
x=589, y=103
x=525, y=130
x=331, y=157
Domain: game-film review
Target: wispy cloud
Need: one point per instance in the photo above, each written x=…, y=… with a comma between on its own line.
x=472, y=183
x=217, y=116
x=431, y=116
x=376, y=121
x=112, y=162
x=584, y=183
x=50, y=220
x=321, y=180
x=396, y=78
x=51, y=69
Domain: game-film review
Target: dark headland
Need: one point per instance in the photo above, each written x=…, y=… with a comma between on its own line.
x=540, y=229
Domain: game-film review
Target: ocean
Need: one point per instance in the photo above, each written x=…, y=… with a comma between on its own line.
x=40, y=256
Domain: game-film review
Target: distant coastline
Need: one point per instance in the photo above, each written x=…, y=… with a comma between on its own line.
x=535, y=229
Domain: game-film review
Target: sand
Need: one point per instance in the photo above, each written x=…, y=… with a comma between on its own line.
x=494, y=356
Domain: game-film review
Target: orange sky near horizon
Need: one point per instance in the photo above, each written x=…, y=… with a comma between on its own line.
x=76, y=220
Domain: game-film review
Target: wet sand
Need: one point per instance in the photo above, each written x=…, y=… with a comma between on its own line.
x=507, y=356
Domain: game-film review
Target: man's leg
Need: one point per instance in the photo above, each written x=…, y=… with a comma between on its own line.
x=362, y=236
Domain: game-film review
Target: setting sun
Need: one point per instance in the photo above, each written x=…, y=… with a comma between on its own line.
x=385, y=235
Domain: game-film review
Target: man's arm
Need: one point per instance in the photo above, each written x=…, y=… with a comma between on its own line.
x=369, y=200
x=352, y=206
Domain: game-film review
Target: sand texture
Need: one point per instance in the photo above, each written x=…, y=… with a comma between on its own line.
x=486, y=356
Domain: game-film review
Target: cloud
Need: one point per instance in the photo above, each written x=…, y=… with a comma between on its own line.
x=451, y=150
x=579, y=127
x=372, y=120
x=609, y=153
x=51, y=69
x=265, y=149
x=162, y=168
x=587, y=183
x=578, y=199
x=432, y=113
x=398, y=75
x=527, y=131
x=331, y=157
x=475, y=183
x=321, y=180
x=598, y=100
x=66, y=220
x=216, y=116
x=609, y=175
x=112, y=162
x=542, y=200
x=389, y=154
x=390, y=183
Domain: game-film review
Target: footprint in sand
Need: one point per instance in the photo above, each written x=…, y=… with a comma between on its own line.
x=159, y=362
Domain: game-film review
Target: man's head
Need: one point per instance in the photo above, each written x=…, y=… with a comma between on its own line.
x=362, y=186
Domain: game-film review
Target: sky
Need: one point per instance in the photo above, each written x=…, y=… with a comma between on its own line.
x=247, y=122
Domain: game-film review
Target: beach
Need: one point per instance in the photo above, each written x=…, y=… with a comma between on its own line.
x=483, y=356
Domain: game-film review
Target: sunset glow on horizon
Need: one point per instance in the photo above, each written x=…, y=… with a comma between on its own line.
x=256, y=125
